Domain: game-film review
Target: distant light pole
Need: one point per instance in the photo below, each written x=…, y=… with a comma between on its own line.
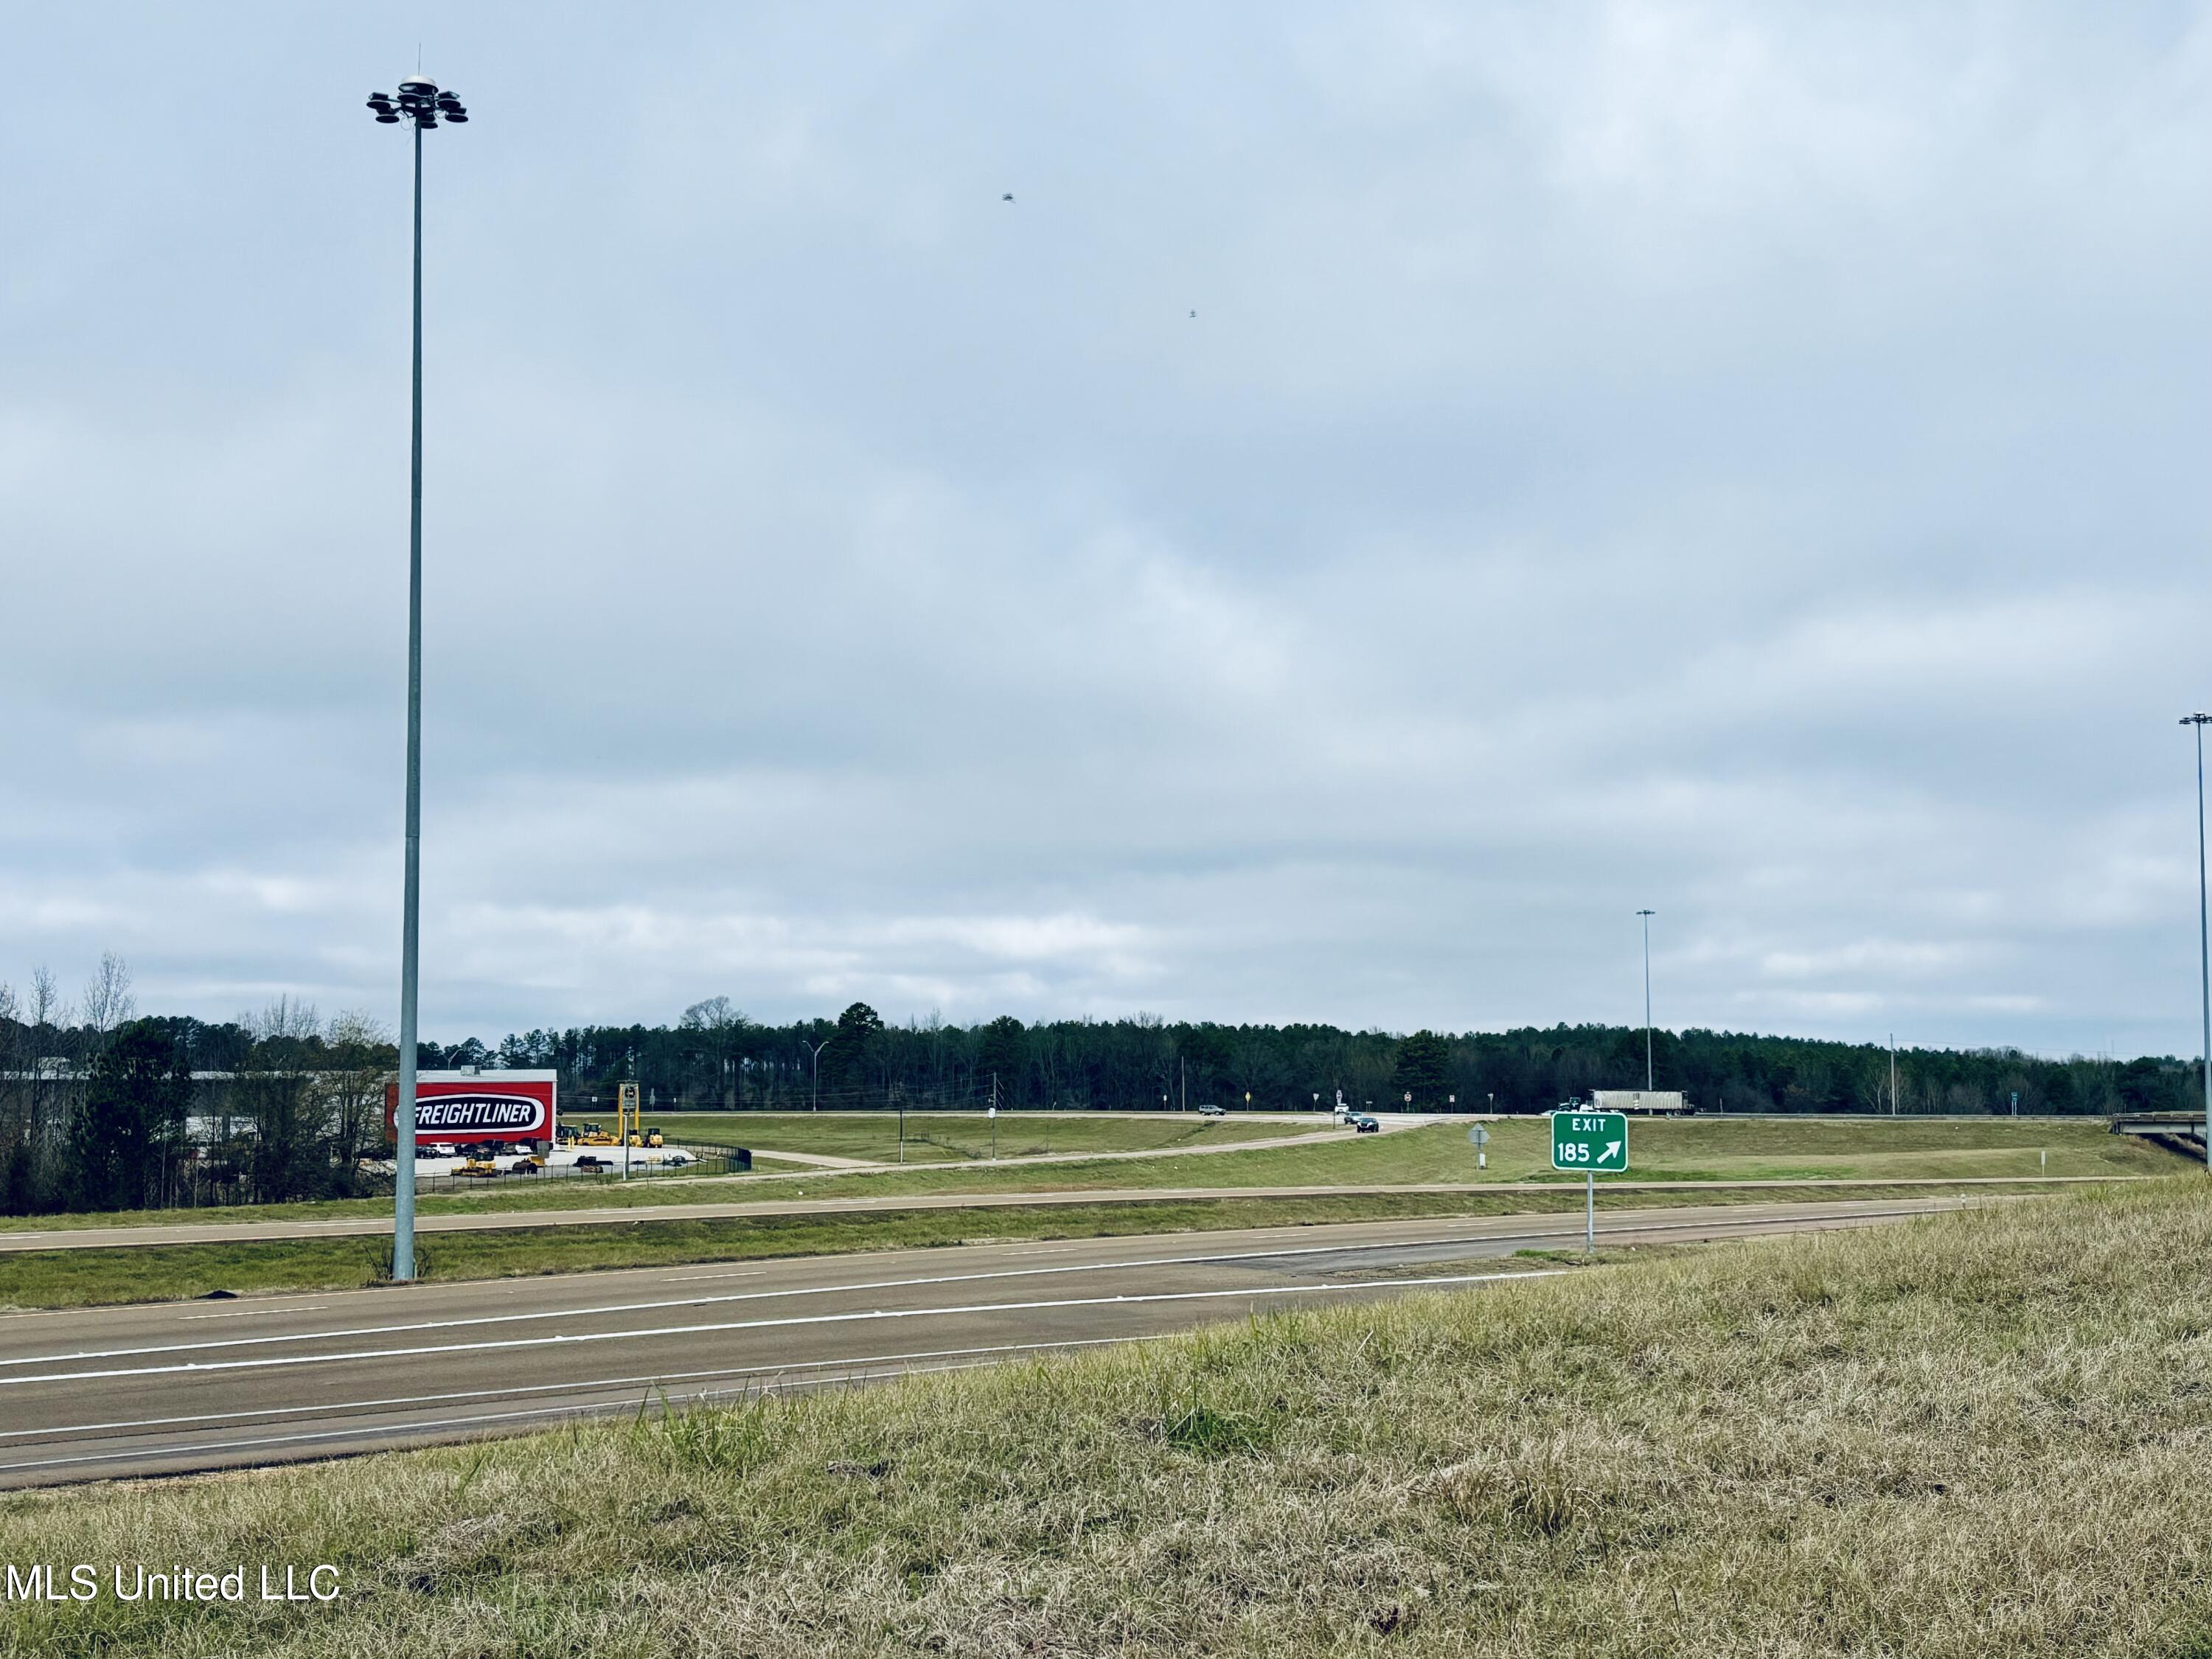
x=2203, y=937
x=420, y=104
x=816, y=1048
x=1647, y=916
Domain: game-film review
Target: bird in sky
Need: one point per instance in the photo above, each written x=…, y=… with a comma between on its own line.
x=1194, y=314
x=1008, y=197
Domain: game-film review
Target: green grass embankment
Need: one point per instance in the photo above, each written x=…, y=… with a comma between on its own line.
x=952, y=1139
x=1982, y=1434
x=965, y=1136
x=506, y=1193
x=1720, y=1149
x=1693, y=1149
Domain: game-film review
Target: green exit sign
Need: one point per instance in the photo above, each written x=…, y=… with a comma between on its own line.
x=1593, y=1141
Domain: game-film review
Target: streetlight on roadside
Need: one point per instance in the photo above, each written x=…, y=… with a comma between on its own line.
x=816, y=1048
x=420, y=104
x=2203, y=937
x=1647, y=916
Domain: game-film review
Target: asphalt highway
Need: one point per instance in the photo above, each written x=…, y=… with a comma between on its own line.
x=174, y=1388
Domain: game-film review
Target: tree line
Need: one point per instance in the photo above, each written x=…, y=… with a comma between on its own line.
x=100, y=1108
x=715, y=1057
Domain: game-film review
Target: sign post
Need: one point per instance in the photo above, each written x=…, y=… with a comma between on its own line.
x=1589, y=1142
x=1478, y=1137
x=627, y=1118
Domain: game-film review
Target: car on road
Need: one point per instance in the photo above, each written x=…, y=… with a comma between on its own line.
x=1214, y=1111
x=1366, y=1125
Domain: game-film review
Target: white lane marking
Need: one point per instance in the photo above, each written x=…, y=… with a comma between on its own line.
x=1563, y=1230
x=258, y=1313
x=698, y=1302
x=396, y=1430
x=588, y=1385
x=685, y=1278
x=204, y=1367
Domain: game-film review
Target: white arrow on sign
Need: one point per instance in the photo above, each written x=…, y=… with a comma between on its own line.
x=1611, y=1147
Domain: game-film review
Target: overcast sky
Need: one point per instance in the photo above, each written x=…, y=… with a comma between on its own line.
x=1745, y=460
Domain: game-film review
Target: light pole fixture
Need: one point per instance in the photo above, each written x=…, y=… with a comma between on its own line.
x=420, y=103
x=1647, y=916
x=816, y=1048
x=2204, y=937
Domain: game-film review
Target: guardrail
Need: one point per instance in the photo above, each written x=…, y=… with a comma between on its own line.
x=2178, y=1132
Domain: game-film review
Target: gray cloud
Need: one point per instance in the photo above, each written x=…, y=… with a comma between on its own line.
x=1746, y=462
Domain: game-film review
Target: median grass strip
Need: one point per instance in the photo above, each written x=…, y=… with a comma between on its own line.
x=580, y=1192
x=1877, y=1148
x=1980, y=1434
x=1721, y=1149
x=169, y=1273
x=936, y=1137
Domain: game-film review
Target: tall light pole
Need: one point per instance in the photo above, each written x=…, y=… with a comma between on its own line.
x=1647, y=916
x=420, y=104
x=816, y=1048
x=2203, y=936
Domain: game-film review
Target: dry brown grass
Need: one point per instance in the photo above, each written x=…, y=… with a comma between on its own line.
x=1982, y=1434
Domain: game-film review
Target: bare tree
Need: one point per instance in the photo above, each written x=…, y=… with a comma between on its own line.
x=724, y=1025
x=12, y=1124
x=45, y=1007
x=358, y=1049
x=48, y=1016
x=279, y=1092
x=284, y=1020
x=108, y=1000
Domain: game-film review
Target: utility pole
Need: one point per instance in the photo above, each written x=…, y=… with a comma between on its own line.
x=2204, y=937
x=420, y=104
x=1647, y=916
x=1892, y=1074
